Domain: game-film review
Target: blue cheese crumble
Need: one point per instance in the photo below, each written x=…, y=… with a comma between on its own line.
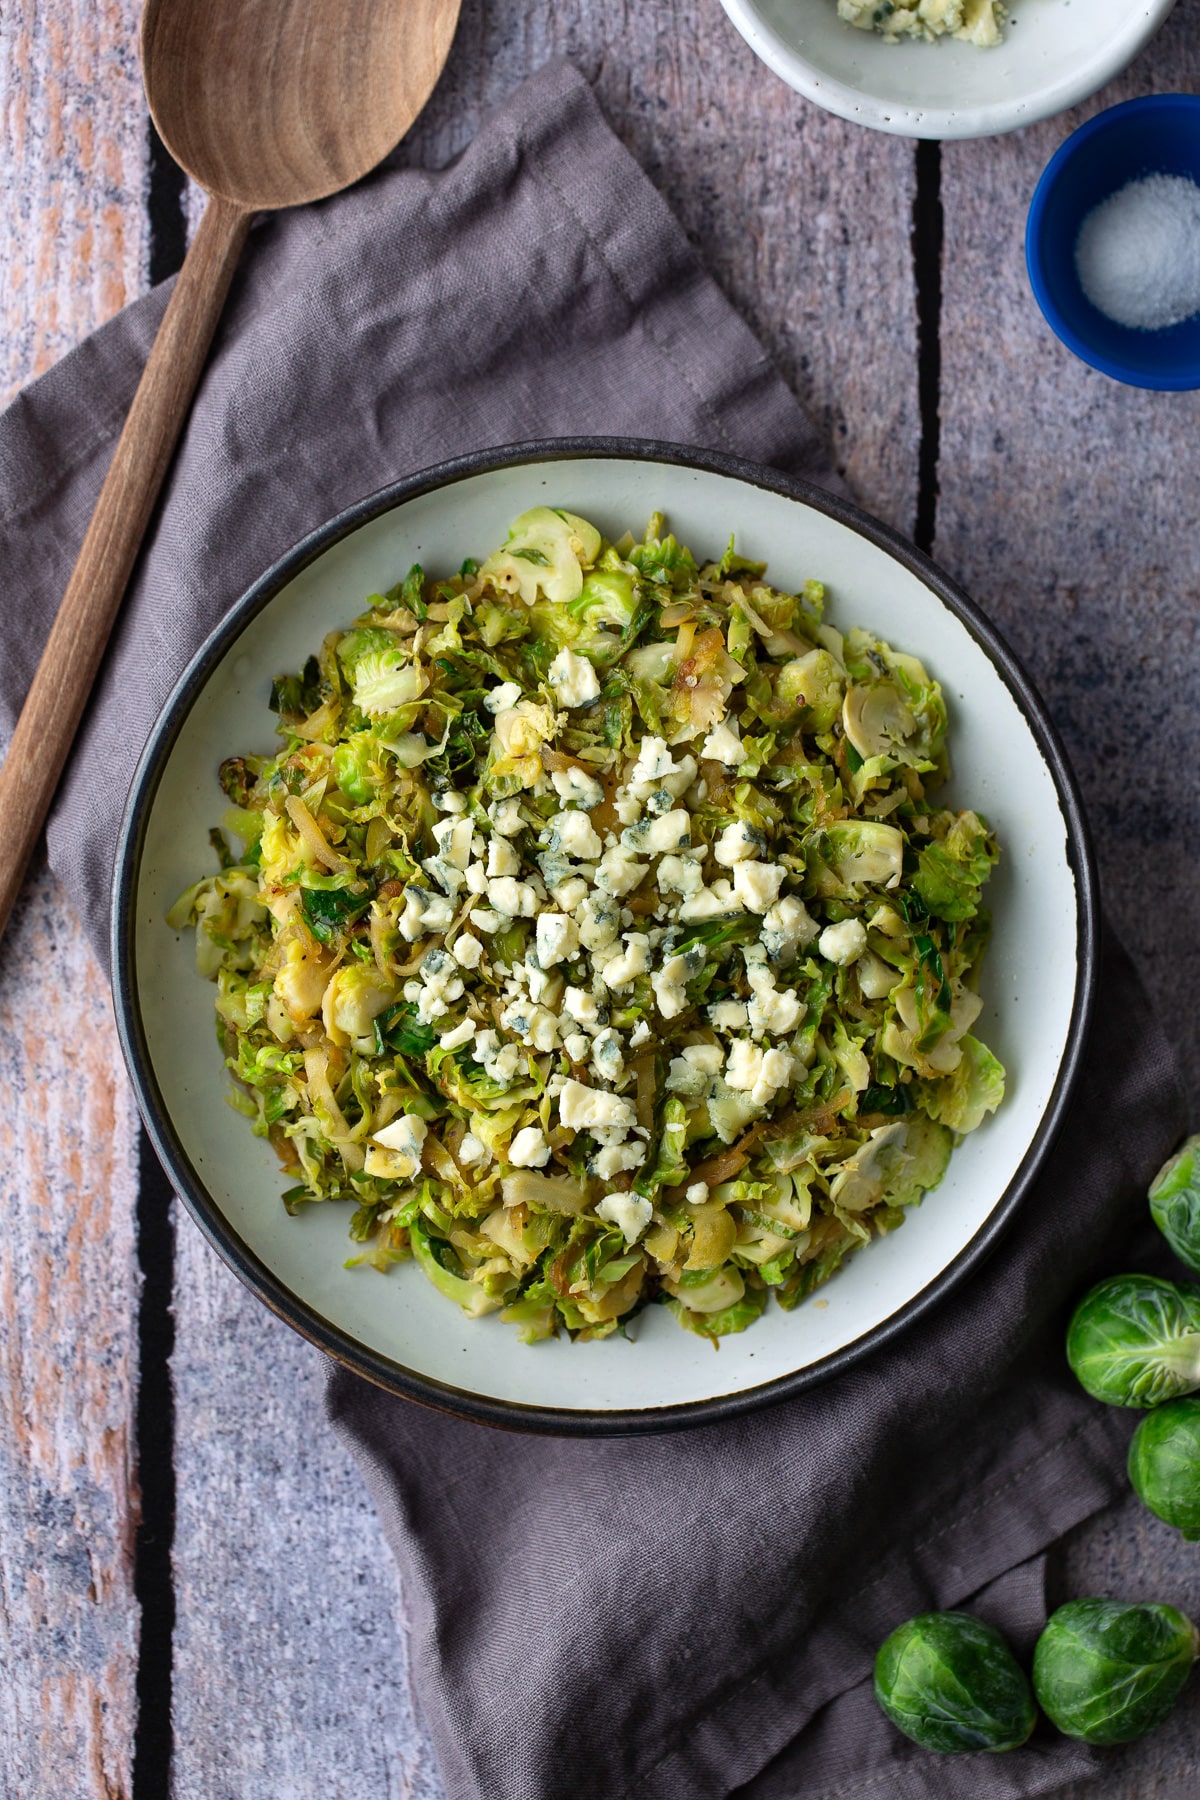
x=977, y=22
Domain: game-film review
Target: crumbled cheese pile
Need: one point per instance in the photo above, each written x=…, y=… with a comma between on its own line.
x=579, y=885
x=974, y=21
x=1138, y=253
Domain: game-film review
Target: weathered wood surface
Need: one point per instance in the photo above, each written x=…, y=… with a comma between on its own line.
x=62, y=684
x=68, y=1367
x=289, y=1664
x=73, y=250
x=290, y=1674
x=73, y=231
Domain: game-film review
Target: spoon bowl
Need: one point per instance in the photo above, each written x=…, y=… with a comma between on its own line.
x=271, y=103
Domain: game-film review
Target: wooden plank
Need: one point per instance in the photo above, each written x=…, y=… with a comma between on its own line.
x=68, y=1367
x=802, y=219
x=290, y=1666
x=73, y=250
x=1065, y=508
x=73, y=241
x=284, y=1583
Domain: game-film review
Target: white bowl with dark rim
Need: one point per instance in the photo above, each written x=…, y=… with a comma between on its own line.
x=1038, y=979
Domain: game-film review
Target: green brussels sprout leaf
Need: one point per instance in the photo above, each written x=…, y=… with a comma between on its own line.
x=950, y=873
x=434, y=1258
x=964, y=1098
x=330, y=910
x=723, y=1323
x=1108, y=1672
x=951, y=1683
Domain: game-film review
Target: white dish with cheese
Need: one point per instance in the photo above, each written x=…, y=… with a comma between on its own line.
x=985, y=74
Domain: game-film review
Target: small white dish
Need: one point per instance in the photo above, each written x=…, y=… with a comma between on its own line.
x=1055, y=53
x=1038, y=975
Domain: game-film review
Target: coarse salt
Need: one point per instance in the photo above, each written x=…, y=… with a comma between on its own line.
x=1138, y=253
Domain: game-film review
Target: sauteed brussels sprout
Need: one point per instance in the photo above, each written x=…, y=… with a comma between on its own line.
x=594, y=934
x=1107, y=1672
x=1164, y=1464
x=1175, y=1202
x=952, y=1684
x=1135, y=1340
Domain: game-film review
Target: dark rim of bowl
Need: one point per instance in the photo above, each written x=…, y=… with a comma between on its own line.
x=383, y=1370
x=1115, y=367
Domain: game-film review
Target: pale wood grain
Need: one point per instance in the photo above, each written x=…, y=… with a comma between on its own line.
x=73, y=249
x=68, y=1285
x=73, y=240
x=274, y=103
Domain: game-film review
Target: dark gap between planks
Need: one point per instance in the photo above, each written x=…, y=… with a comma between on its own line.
x=155, y=1451
x=154, y=1425
x=165, y=210
x=927, y=238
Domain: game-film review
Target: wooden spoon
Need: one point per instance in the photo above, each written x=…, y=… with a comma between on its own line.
x=266, y=103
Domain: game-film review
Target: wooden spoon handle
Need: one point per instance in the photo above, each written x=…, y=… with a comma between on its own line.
x=59, y=691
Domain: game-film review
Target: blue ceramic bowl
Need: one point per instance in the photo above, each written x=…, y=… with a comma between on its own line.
x=1156, y=135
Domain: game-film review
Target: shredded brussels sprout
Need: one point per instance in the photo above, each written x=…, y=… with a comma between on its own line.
x=594, y=934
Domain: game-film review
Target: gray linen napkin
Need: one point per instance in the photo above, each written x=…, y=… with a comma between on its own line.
x=682, y=1616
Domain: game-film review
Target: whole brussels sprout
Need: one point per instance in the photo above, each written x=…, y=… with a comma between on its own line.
x=1107, y=1672
x=1175, y=1202
x=952, y=1684
x=1135, y=1340
x=1164, y=1464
